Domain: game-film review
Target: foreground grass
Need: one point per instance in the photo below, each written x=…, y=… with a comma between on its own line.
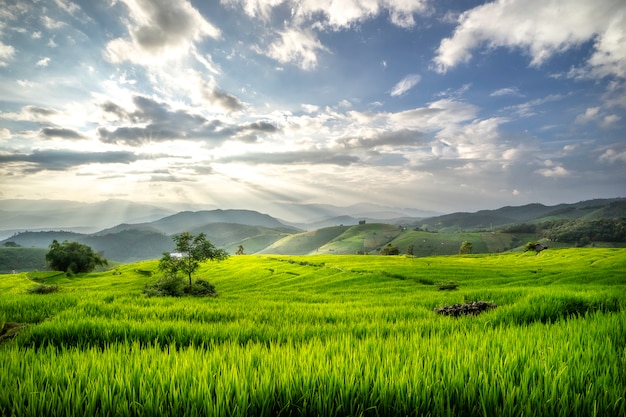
x=325, y=335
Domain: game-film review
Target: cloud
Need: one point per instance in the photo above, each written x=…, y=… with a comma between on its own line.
x=590, y=114
x=43, y=62
x=610, y=120
x=612, y=156
x=541, y=29
x=32, y=114
x=297, y=46
x=337, y=14
x=60, y=160
x=527, y=109
x=7, y=53
x=160, y=30
x=508, y=91
x=553, y=170
x=405, y=85
x=402, y=137
x=153, y=121
x=303, y=157
x=62, y=133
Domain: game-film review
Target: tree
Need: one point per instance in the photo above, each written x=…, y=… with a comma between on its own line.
x=537, y=247
x=466, y=247
x=73, y=257
x=190, y=252
x=239, y=250
x=390, y=250
x=409, y=250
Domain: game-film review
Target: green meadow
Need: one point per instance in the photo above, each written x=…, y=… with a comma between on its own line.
x=323, y=335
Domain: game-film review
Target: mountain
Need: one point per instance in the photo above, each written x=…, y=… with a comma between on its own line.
x=131, y=242
x=530, y=213
x=307, y=216
x=488, y=230
x=19, y=215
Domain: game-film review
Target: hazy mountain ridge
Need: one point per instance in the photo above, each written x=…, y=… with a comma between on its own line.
x=262, y=233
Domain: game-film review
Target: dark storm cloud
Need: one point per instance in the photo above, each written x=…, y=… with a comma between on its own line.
x=62, y=133
x=60, y=160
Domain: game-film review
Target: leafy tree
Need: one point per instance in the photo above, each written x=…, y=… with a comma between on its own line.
x=190, y=252
x=409, y=250
x=390, y=250
x=466, y=247
x=239, y=250
x=73, y=257
x=536, y=246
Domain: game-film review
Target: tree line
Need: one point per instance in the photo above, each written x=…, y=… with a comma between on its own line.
x=579, y=231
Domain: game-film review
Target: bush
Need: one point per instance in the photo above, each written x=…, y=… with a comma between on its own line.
x=174, y=286
x=201, y=288
x=168, y=286
x=43, y=289
x=390, y=250
x=447, y=285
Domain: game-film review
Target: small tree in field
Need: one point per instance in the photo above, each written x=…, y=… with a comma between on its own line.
x=73, y=257
x=190, y=252
x=390, y=250
x=466, y=247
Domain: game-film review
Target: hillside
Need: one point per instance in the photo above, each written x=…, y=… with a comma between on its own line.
x=589, y=223
x=22, y=259
x=531, y=213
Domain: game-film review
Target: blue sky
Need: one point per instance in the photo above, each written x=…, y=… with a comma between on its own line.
x=437, y=105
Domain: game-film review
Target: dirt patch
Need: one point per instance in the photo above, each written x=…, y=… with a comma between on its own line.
x=474, y=308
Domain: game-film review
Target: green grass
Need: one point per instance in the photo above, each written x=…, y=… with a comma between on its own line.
x=325, y=335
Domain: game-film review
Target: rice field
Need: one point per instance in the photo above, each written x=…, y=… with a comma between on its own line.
x=324, y=335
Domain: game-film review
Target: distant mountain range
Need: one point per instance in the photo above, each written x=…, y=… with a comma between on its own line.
x=146, y=230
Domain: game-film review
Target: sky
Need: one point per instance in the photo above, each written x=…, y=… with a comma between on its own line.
x=448, y=105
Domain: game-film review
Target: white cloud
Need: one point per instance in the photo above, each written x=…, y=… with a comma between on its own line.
x=541, y=28
x=298, y=43
x=405, y=85
x=508, y=91
x=590, y=114
x=610, y=120
x=612, y=156
x=7, y=52
x=296, y=46
x=43, y=62
x=160, y=31
x=337, y=14
x=310, y=108
x=51, y=23
x=556, y=171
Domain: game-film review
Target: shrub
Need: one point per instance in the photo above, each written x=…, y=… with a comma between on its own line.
x=43, y=289
x=170, y=285
x=174, y=286
x=447, y=285
x=390, y=250
x=201, y=288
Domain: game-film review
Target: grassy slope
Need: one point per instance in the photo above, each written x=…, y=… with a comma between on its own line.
x=320, y=334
